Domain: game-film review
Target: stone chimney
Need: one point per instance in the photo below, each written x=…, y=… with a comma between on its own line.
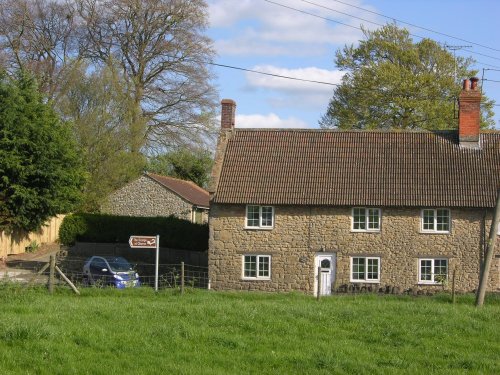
x=227, y=120
x=228, y=113
x=469, y=115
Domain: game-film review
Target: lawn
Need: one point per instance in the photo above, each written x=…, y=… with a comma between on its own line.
x=202, y=332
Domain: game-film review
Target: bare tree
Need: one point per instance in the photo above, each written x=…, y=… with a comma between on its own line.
x=161, y=50
x=39, y=36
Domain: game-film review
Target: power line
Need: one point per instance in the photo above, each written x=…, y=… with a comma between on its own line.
x=485, y=64
x=312, y=14
x=325, y=83
x=355, y=27
x=316, y=82
x=419, y=27
x=378, y=24
x=273, y=74
x=199, y=61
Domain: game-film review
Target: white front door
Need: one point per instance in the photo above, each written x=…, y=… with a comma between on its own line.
x=325, y=266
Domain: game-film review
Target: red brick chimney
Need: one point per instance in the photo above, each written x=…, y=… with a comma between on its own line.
x=469, y=117
x=228, y=113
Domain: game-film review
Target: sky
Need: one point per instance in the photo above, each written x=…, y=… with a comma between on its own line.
x=261, y=35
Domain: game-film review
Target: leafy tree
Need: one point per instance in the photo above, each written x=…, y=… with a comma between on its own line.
x=184, y=164
x=40, y=169
x=102, y=114
x=391, y=82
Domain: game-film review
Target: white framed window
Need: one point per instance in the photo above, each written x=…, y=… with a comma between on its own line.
x=365, y=269
x=261, y=217
x=436, y=220
x=432, y=270
x=257, y=267
x=365, y=219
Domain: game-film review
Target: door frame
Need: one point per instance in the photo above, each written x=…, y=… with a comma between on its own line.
x=333, y=268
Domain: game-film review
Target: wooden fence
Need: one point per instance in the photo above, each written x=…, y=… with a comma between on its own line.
x=15, y=243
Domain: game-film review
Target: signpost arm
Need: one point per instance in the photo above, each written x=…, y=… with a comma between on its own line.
x=157, y=261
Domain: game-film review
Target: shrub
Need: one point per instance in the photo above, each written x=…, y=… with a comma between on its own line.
x=174, y=233
x=72, y=227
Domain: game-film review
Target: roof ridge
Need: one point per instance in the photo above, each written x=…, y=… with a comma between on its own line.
x=179, y=179
x=164, y=176
x=366, y=131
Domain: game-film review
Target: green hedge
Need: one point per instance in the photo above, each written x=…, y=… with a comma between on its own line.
x=174, y=233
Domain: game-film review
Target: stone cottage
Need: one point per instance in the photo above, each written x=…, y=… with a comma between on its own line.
x=365, y=209
x=155, y=195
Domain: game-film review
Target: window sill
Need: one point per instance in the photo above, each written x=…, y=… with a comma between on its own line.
x=255, y=279
x=422, y=283
x=365, y=282
x=433, y=232
x=365, y=231
x=258, y=228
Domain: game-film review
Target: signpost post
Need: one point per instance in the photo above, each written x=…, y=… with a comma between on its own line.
x=147, y=242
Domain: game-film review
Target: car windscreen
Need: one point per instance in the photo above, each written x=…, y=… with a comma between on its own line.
x=119, y=264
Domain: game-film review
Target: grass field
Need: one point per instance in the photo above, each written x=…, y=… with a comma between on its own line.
x=202, y=332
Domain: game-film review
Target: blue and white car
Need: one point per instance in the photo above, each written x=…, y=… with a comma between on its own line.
x=110, y=270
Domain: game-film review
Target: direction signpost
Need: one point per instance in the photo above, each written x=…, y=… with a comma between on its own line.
x=147, y=242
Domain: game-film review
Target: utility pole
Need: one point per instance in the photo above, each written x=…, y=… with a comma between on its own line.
x=455, y=49
x=490, y=250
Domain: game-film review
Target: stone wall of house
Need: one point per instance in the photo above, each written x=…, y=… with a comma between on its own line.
x=145, y=197
x=300, y=233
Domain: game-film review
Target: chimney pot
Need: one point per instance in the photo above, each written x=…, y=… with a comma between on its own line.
x=228, y=113
x=466, y=86
x=474, y=81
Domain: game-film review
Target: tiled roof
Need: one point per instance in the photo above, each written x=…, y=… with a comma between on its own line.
x=347, y=168
x=186, y=189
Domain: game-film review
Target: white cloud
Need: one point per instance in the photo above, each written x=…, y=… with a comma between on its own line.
x=283, y=84
x=224, y=13
x=268, y=121
x=269, y=29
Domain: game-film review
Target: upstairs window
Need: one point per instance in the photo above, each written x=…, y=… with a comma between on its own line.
x=365, y=219
x=260, y=217
x=433, y=271
x=436, y=220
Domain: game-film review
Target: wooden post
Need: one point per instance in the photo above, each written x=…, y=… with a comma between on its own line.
x=453, y=297
x=182, y=277
x=51, y=273
x=490, y=249
x=67, y=280
x=318, y=293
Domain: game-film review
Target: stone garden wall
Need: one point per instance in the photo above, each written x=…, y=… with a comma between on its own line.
x=301, y=232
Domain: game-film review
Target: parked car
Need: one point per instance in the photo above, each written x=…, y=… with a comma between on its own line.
x=110, y=271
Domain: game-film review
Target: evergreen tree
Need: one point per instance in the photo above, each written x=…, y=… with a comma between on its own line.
x=40, y=169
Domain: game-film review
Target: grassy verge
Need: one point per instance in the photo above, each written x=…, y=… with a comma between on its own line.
x=201, y=332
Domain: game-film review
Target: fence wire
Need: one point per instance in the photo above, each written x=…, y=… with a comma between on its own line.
x=169, y=275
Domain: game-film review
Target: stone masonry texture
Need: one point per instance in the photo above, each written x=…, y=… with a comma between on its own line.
x=301, y=232
x=145, y=197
